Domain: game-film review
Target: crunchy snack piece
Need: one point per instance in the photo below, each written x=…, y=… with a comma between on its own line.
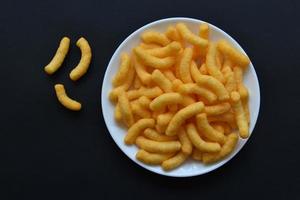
x=217, y=109
x=59, y=56
x=174, y=162
x=152, y=61
x=215, y=85
x=160, y=102
x=125, y=109
x=182, y=115
x=236, y=56
x=173, y=34
x=193, y=88
x=204, y=31
x=154, y=135
x=211, y=64
x=141, y=71
x=198, y=142
x=136, y=129
x=123, y=71
x=84, y=63
x=186, y=144
x=191, y=37
x=170, y=50
x=159, y=78
x=151, y=158
x=240, y=115
x=184, y=65
x=65, y=100
x=157, y=147
x=226, y=149
x=155, y=37
x=207, y=130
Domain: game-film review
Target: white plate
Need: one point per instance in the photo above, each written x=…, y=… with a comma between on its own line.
x=189, y=168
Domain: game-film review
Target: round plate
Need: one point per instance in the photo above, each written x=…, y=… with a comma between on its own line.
x=190, y=167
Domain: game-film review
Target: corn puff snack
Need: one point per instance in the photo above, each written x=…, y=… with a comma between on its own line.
x=59, y=56
x=174, y=110
x=84, y=63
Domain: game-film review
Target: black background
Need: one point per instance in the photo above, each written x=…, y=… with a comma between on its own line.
x=48, y=152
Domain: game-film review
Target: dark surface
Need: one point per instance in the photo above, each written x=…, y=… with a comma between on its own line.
x=48, y=152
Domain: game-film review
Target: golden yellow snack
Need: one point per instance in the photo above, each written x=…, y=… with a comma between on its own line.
x=238, y=74
x=219, y=60
x=151, y=93
x=170, y=50
x=187, y=100
x=117, y=113
x=203, y=69
x=125, y=109
x=186, y=144
x=149, y=45
x=160, y=102
x=152, y=61
x=151, y=158
x=240, y=115
x=227, y=117
x=216, y=86
x=176, y=85
x=174, y=162
x=217, y=109
x=154, y=135
x=137, y=82
x=191, y=37
x=160, y=129
x=246, y=109
x=59, y=56
x=197, y=155
x=157, y=147
x=144, y=101
x=182, y=115
x=159, y=78
x=139, y=110
x=176, y=65
x=64, y=99
x=210, y=63
x=195, y=73
x=155, y=37
x=204, y=31
x=207, y=130
x=227, y=148
x=123, y=71
x=136, y=129
x=141, y=71
x=169, y=74
x=226, y=127
x=173, y=34
x=233, y=54
x=165, y=118
x=198, y=142
x=230, y=83
x=193, y=88
x=84, y=63
x=113, y=95
x=218, y=127
x=184, y=65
